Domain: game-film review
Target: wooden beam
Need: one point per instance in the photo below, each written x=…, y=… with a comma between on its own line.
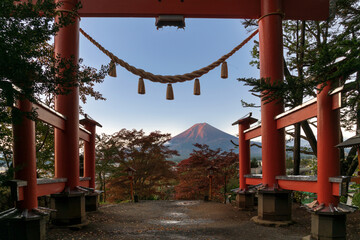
x=307, y=110
x=44, y=187
x=294, y=9
x=253, y=132
x=50, y=188
x=84, y=134
x=304, y=186
x=297, y=114
x=50, y=116
x=84, y=183
x=253, y=181
x=337, y=101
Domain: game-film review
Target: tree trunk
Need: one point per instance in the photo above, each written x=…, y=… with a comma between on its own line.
x=352, y=162
x=342, y=150
x=310, y=136
x=225, y=189
x=104, y=186
x=296, y=153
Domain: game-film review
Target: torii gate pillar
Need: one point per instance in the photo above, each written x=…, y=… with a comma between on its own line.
x=244, y=198
x=273, y=204
x=91, y=199
x=70, y=204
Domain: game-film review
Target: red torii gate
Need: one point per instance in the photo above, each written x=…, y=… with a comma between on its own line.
x=270, y=12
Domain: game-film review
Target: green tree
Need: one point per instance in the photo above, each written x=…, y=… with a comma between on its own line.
x=27, y=61
x=106, y=155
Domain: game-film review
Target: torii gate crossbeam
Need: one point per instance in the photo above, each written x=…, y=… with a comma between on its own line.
x=250, y=9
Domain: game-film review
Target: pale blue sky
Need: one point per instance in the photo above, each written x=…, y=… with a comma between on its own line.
x=168, y=51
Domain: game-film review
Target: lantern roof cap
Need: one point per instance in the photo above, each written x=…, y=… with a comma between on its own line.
x=246, y=119
x=351, y=142
x=88, y=119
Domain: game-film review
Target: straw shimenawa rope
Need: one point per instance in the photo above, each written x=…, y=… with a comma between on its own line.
x=167, y=78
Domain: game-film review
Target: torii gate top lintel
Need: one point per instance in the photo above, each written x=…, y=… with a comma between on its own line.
x=248, y=9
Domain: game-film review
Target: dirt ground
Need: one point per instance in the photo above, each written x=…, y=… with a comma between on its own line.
x=188, y=220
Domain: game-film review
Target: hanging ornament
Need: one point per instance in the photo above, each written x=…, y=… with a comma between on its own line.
x=169, y=92
x=197, y=87
x=141, y=86
x=112, y=69
x=224, y=70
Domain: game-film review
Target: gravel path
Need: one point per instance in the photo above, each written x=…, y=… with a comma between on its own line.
x=182, y=220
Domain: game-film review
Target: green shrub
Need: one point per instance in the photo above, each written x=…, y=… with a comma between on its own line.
x=356, y=199
x=254, y=163
x=303, y=197
x=5, y=199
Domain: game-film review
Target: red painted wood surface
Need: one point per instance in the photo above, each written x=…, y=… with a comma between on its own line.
x=328, y=156
x=335, y=189
x=67, y=141
x=24, y=149
x=244, y=155
x=306, y=112
x=85, y=183
x=303, y=186
x=336, y=101
x=49, y=116
x=253, y=181
x=253, y=133
x=89, y=156
x=44, y=189
x=271, y=69
x=50, y=188
x=294, y=9
x=83, y=135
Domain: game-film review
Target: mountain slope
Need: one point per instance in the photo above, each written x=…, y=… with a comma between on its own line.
x=204, y=133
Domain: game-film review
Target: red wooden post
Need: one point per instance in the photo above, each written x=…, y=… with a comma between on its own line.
x=244, y=149
x=89, y=158
x=25, y=156
x=67, y=141
x=328, y=136
x=244, y=156
x=271, y=67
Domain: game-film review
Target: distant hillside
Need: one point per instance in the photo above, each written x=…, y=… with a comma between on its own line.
x=204, y=133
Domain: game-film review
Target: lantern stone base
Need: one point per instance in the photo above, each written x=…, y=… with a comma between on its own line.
x=274, y=205
x=70, y=208
x=91, y=201
x=17, y=227
x=327, y=226
x=245, y=200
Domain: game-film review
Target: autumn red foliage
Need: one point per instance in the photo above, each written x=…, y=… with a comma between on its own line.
x=147, y=154
x=193, y=174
